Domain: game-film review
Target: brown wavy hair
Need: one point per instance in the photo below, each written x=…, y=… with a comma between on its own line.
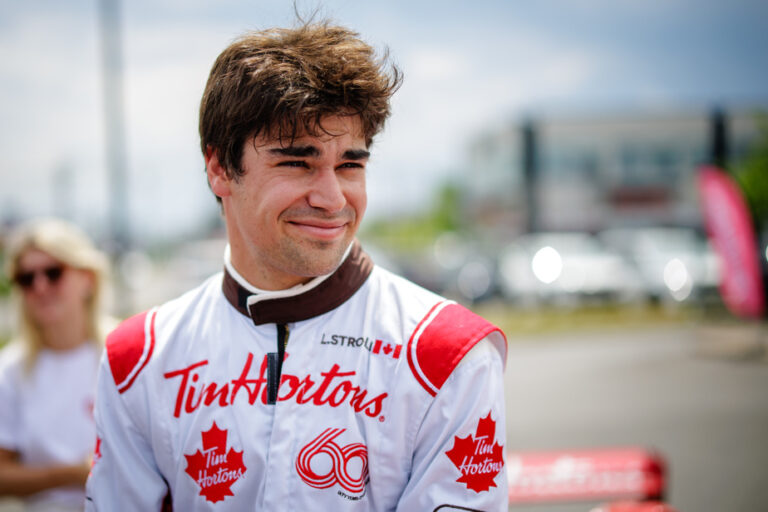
x=282, y=82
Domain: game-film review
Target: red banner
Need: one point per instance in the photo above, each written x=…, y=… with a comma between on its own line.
x=732, y=233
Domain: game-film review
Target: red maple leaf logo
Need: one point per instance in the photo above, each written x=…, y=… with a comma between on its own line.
x=215, y=469
x=479, y=458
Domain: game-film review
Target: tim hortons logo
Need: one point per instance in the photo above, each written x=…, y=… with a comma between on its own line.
x=333, y=387
x=215, y=469
x=346, y=465
x=479, y=458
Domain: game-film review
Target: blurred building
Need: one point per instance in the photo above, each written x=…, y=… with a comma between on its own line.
x=594, y=173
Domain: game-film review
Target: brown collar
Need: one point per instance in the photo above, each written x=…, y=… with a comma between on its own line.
x=328, y=295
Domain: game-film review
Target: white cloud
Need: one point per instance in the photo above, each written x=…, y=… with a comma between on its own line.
x=51, y=105
x=461, y=75
x=436, y=64
x=451, y=90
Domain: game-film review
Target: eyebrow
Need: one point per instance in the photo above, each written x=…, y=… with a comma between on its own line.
x=304, y=151
x=356, y=154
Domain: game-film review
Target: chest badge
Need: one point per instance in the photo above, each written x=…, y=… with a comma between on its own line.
x=479, y=458
x=215, y=468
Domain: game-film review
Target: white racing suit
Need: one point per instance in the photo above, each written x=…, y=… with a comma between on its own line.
x=357, y=391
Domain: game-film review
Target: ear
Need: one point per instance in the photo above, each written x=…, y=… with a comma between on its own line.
x=218, y=179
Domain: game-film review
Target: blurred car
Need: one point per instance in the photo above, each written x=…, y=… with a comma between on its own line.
x=675, y=264
x=460, y=268
x=467, y=271
x=565, y=268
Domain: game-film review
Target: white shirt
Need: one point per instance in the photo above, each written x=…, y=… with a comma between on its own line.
x=46, y=414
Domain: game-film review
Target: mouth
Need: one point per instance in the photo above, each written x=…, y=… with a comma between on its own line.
x=320, y=229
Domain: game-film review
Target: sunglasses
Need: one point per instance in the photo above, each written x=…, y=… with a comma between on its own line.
x=26, y=280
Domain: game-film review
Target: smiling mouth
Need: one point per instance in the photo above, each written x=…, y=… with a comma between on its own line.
x=323, y=230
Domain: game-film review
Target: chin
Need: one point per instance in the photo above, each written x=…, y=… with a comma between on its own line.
x=323, y=263
x=44, y=317
x=317, y=269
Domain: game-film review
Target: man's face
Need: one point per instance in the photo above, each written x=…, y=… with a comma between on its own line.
x=296, y=209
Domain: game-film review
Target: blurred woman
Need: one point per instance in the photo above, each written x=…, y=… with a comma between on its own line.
x=48, y=374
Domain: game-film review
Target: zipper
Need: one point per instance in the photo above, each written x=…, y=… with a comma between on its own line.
x=275, y=363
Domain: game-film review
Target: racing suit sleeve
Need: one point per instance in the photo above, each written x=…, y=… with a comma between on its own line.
x=124, y=476
x=458, y=462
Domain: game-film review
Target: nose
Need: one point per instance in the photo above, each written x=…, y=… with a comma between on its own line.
x=40, y=284
x=326, y=191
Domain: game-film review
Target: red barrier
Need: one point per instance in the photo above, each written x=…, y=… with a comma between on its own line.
x=596, y=475
x=625, y=506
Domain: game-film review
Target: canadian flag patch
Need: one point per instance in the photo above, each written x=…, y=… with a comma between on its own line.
x=215, y=468
x=478, y=458
x=385, y=348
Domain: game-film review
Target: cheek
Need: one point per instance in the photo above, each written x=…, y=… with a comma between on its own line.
x=79, y=286
x=269, y=198
x=358, y=198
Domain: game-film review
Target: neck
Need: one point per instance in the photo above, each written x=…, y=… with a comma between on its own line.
x=319, y=296
x=64, y=335
x=290, y=287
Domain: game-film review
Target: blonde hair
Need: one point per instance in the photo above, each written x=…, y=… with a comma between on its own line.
x=67, y=243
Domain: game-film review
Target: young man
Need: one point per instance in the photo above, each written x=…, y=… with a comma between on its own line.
x=303, y=377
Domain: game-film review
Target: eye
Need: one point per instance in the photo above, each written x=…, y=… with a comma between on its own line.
x=351, y=165
x=293, y=163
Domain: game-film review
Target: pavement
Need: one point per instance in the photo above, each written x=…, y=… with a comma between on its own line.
x=696, y=393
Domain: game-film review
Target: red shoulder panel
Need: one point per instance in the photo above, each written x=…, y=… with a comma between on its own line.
x=441, y=340
x=129, y=348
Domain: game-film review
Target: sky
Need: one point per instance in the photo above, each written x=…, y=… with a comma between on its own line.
x=469, y=67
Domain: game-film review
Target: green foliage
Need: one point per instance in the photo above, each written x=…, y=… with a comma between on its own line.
x=752, y=175
x=5, y=284
x=446, y=212
x=415, y=232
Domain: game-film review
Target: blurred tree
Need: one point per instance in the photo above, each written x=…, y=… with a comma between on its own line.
x=5, y=283
x=418, y=231
x=446, y=213
x=752, y=175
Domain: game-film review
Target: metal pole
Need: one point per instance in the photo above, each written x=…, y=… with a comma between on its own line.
x=114, y=120
x=63, y=191
x=719, y=138
x=530, y=174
